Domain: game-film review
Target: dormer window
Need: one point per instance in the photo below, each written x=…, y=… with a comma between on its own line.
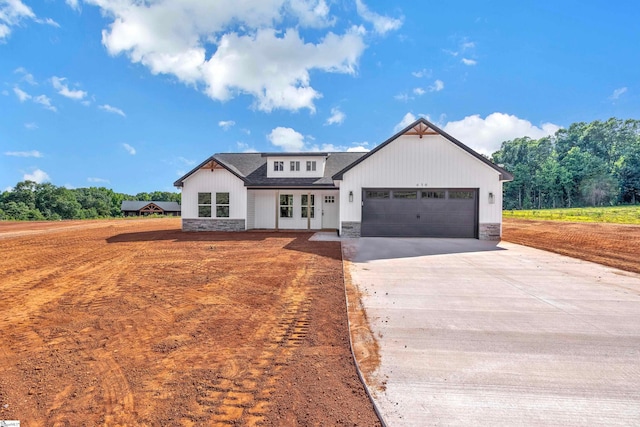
x=295, y=166
x=311, y=165
x=278, y=166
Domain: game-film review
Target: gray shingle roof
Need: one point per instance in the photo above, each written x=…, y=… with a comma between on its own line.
x=136, y=205
x=252, y=169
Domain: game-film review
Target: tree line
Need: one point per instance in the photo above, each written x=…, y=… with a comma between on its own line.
x=31, y=201
x=588, y=164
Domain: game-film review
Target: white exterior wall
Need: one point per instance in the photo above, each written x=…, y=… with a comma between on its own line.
x=251, y=210
x=267, y=206
x=428, y=162
x=220, y=181
x=302, y=173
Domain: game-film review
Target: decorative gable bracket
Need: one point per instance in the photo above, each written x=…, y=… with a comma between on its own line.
x=212, y=165
x=421, y=129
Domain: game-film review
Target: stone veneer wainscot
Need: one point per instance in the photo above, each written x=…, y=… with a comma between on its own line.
x=489, y=231
x=212, y=224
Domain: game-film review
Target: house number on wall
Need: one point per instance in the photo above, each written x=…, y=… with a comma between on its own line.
x=421, y=184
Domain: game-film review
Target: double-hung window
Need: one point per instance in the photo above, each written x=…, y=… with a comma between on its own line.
x=304, y=201
x=222, y=205
x=311, y=165
x=286, y=206
x=204, y=205
x=278, y=166
x=294, y=165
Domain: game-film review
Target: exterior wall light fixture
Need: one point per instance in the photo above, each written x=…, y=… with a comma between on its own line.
x=492, y=198
x=350, y=196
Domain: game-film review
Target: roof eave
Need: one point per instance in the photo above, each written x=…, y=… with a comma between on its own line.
x=180, y=183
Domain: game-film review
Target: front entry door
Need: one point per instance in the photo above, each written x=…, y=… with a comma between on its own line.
x=330, y=211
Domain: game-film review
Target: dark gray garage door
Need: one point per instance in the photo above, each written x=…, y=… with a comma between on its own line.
x=420, y=212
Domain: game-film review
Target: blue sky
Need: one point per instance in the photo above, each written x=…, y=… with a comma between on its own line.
x=130, y=95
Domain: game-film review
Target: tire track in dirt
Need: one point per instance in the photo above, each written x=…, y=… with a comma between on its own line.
x=242, y=395
x=141, y=324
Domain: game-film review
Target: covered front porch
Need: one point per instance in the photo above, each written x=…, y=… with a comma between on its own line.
x=292, y=209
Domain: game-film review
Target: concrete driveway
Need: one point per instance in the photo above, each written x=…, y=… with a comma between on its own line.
x=479, y=333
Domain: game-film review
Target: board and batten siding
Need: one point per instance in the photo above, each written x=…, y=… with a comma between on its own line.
x=251, y=210
x=428, y=162
x=267, y=206
x=216, y=181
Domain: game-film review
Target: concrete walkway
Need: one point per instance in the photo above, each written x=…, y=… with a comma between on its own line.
x=479, y=333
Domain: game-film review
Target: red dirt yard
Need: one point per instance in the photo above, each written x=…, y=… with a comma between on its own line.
x=615, y=245
x=133, y=322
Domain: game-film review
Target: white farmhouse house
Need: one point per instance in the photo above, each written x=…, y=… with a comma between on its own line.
x=420, y=182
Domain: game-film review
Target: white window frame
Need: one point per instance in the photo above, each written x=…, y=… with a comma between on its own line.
x=223, y=205
x=203, y=204
x=311, y=165
x=278, y=166
x=294, y=165
x=303, y=203
x=288, y=206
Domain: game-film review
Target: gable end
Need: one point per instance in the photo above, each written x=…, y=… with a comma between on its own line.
x=423, y=127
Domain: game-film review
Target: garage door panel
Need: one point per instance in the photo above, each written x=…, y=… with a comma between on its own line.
x=431, y=214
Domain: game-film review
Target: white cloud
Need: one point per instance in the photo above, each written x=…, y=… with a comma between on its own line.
x=38, y=176
x=419, y=91
x=437, y=86
x=186, y=161
x=45, y=101
x=109, y=109
x=331, y=148
x=63, y=89
x=359, y=148
x=98, y=180
x=290, y=140
x=314, y=14
x=22, y=95
x=32, y=153
x=26, y=76
x=421, y=73
x=406, y=121
x=250, y=55
x=381, y=24
x=226, y=124
x=73, y=4
x=31, y=125
x=48, y=21
x=337, y=117
x=12, y=12
x=245, y=148
x=129, y=149
x=466, y=48
x=486, y=135
x=275, y=70
x=287, y=139
x=402, y=97
x=617, y=93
